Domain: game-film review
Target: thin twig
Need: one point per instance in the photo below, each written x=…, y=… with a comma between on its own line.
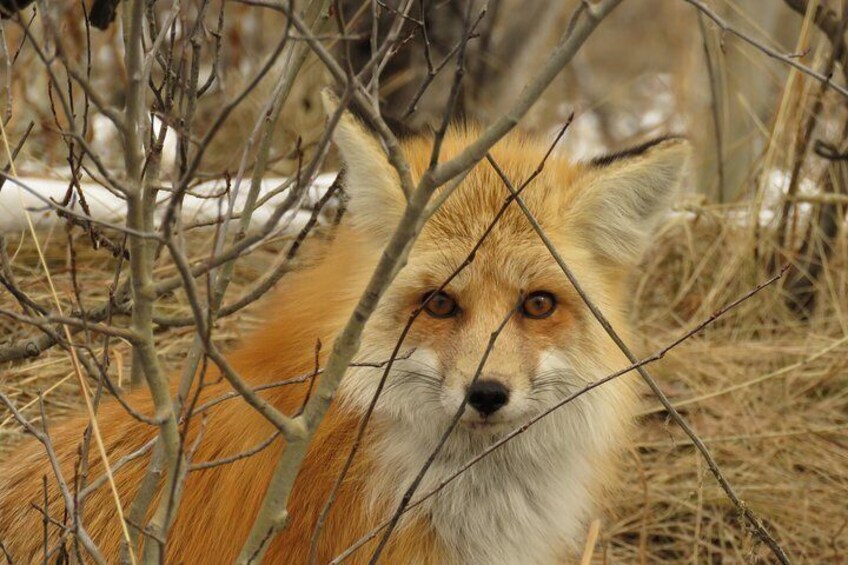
x=469, y=258
x=791, y=61
x=44, y=439
x=273, y=514
x=743, y=509
x=559, y=404
x=410, y=491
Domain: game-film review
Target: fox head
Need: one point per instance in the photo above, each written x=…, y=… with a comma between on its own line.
x=600, y=215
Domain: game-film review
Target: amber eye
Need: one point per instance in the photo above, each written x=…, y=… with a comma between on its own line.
x=440, y=305
x=539, y=304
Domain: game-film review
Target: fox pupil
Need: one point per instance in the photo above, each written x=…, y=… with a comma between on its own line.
x=440, y=305
x=540, y=304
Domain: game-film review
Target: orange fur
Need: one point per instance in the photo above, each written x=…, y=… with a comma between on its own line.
x=219, y=504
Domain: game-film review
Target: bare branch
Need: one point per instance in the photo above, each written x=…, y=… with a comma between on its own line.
x=559, y=404
x=743, y=509
x=792, y=62
x=410, y=491
x=44, y=439
x=273, y=515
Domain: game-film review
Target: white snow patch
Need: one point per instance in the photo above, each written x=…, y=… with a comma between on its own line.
x=107, y=207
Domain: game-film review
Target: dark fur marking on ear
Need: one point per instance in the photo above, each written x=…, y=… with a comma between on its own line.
x=400, y=129
x=606, y=160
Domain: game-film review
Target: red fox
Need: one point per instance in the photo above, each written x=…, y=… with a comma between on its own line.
x=530, y=501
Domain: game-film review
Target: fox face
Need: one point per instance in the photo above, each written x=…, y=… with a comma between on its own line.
x=527, y=502
x=599, y=215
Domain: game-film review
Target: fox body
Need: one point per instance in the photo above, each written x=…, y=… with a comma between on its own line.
x=529, y=501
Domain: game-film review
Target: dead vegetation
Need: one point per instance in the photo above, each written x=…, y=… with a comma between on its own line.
x=765, y=388
x=768, y=394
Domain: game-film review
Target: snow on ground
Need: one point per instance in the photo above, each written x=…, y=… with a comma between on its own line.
x=31, y=194
x=105, y=206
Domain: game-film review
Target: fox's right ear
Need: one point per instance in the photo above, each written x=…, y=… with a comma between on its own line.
x=376, y=199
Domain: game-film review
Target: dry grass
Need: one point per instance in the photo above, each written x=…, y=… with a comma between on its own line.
x=775, y=420
x=50, y=373
x=768, y=394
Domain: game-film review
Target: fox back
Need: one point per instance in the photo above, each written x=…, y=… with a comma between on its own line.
x=528, y=501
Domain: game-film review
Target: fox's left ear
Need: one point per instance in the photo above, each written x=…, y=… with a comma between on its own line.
x=626, y=196
x=376, y=199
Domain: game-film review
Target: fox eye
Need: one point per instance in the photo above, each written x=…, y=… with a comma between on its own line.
x=538, y=305
x=440, y=305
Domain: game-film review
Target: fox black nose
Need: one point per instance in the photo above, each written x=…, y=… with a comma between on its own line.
x=487, y=396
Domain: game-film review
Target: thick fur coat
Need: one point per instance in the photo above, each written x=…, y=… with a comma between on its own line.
x=530, y=501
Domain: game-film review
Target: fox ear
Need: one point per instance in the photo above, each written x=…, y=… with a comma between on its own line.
x=376, y=199
x=627, y=195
